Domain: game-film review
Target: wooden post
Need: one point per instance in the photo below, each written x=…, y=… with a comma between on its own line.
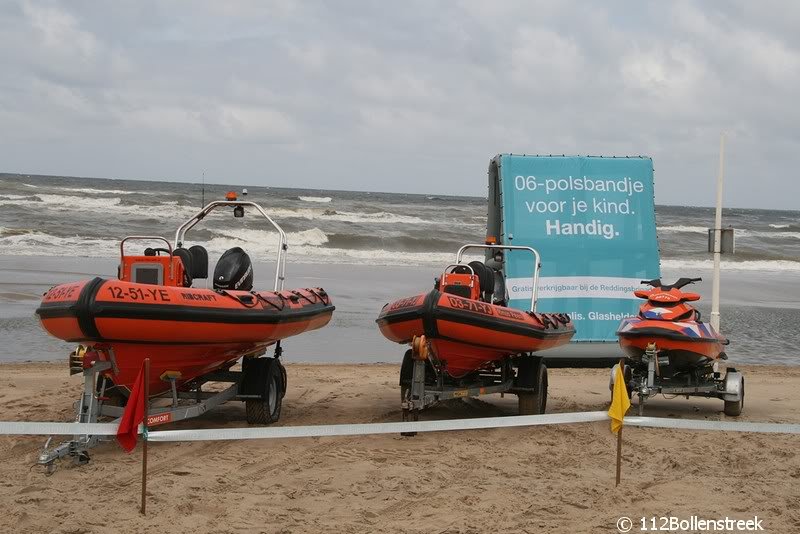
x=144, y=432
x=619, y=433
x=619, y=455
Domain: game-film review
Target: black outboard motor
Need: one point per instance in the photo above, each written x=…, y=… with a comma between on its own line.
x=234, y=271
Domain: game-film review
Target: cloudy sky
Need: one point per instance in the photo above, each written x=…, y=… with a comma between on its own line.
x=402, y=96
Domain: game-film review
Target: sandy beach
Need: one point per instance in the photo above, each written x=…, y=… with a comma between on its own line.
x=545, y=479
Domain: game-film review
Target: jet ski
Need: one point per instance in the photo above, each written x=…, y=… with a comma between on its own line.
x=671, y=351
x=668, y=322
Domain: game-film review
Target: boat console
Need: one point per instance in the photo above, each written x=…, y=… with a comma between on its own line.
x=152, y=267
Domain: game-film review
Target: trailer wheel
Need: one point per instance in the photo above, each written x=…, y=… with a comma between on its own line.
x=734, y=408
x=267, y=409
x=406, y=374
x=284, y=378
x=535, y=402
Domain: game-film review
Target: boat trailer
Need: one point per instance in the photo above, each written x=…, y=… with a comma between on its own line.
x=644, y=378
x=263, y=402
x=422, y=382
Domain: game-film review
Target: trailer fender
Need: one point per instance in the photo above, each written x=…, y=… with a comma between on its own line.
x=734, y=385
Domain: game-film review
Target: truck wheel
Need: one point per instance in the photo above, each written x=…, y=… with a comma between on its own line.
x=535, y=402
x=267, y=409
x=734, y=408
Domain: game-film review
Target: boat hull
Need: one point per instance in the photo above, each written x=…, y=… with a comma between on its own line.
x=468, y=335
x=189, y=330
x=686, y=344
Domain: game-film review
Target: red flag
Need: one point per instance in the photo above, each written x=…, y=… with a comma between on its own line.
x=128, y=430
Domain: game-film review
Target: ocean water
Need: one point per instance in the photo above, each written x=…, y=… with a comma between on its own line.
x=87, y=217
x=365, y=248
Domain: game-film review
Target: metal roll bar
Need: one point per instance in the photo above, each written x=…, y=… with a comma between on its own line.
x=280, y=268
x=537, y=264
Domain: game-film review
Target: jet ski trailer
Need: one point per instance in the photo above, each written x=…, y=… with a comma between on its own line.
x=192, y=336
x=670, y=350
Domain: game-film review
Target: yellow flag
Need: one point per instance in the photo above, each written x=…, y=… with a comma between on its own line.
x=619, y=401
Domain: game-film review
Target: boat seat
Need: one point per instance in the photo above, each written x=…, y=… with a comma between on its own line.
x=500, y=293
x=186, y=258
x=199, y=261
x=492, y=282
x=485, y=279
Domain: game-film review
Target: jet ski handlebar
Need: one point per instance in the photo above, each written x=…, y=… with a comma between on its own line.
x=677, y=285
x=537, y=263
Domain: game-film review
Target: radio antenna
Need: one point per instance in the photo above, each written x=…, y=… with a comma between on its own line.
x=203, y=191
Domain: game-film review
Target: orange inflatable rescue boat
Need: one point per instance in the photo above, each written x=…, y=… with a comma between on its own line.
x=152, y=311
x=467, y=321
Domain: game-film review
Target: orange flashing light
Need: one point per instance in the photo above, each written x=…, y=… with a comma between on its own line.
x=491, y=240
x=230, y=196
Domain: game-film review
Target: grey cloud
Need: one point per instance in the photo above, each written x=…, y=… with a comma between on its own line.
x=409, y=97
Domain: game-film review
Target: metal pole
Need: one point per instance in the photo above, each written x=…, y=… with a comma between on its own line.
x=144, y=431
x=717, y=238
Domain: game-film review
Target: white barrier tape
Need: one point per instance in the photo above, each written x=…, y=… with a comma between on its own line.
x=699, y=424
x=374, y=428
x=33, y=428
x=110, y=429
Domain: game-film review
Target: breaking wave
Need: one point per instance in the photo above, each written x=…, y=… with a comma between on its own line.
x=322, y=200
x=750, y=265
x=683, y=229
x=307, y=246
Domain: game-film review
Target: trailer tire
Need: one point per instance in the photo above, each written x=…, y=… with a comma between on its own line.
x=406, y=374
x=267, y=409
x=535, y=402
x=527, y=372
x=734, y=408
x=284, y=378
